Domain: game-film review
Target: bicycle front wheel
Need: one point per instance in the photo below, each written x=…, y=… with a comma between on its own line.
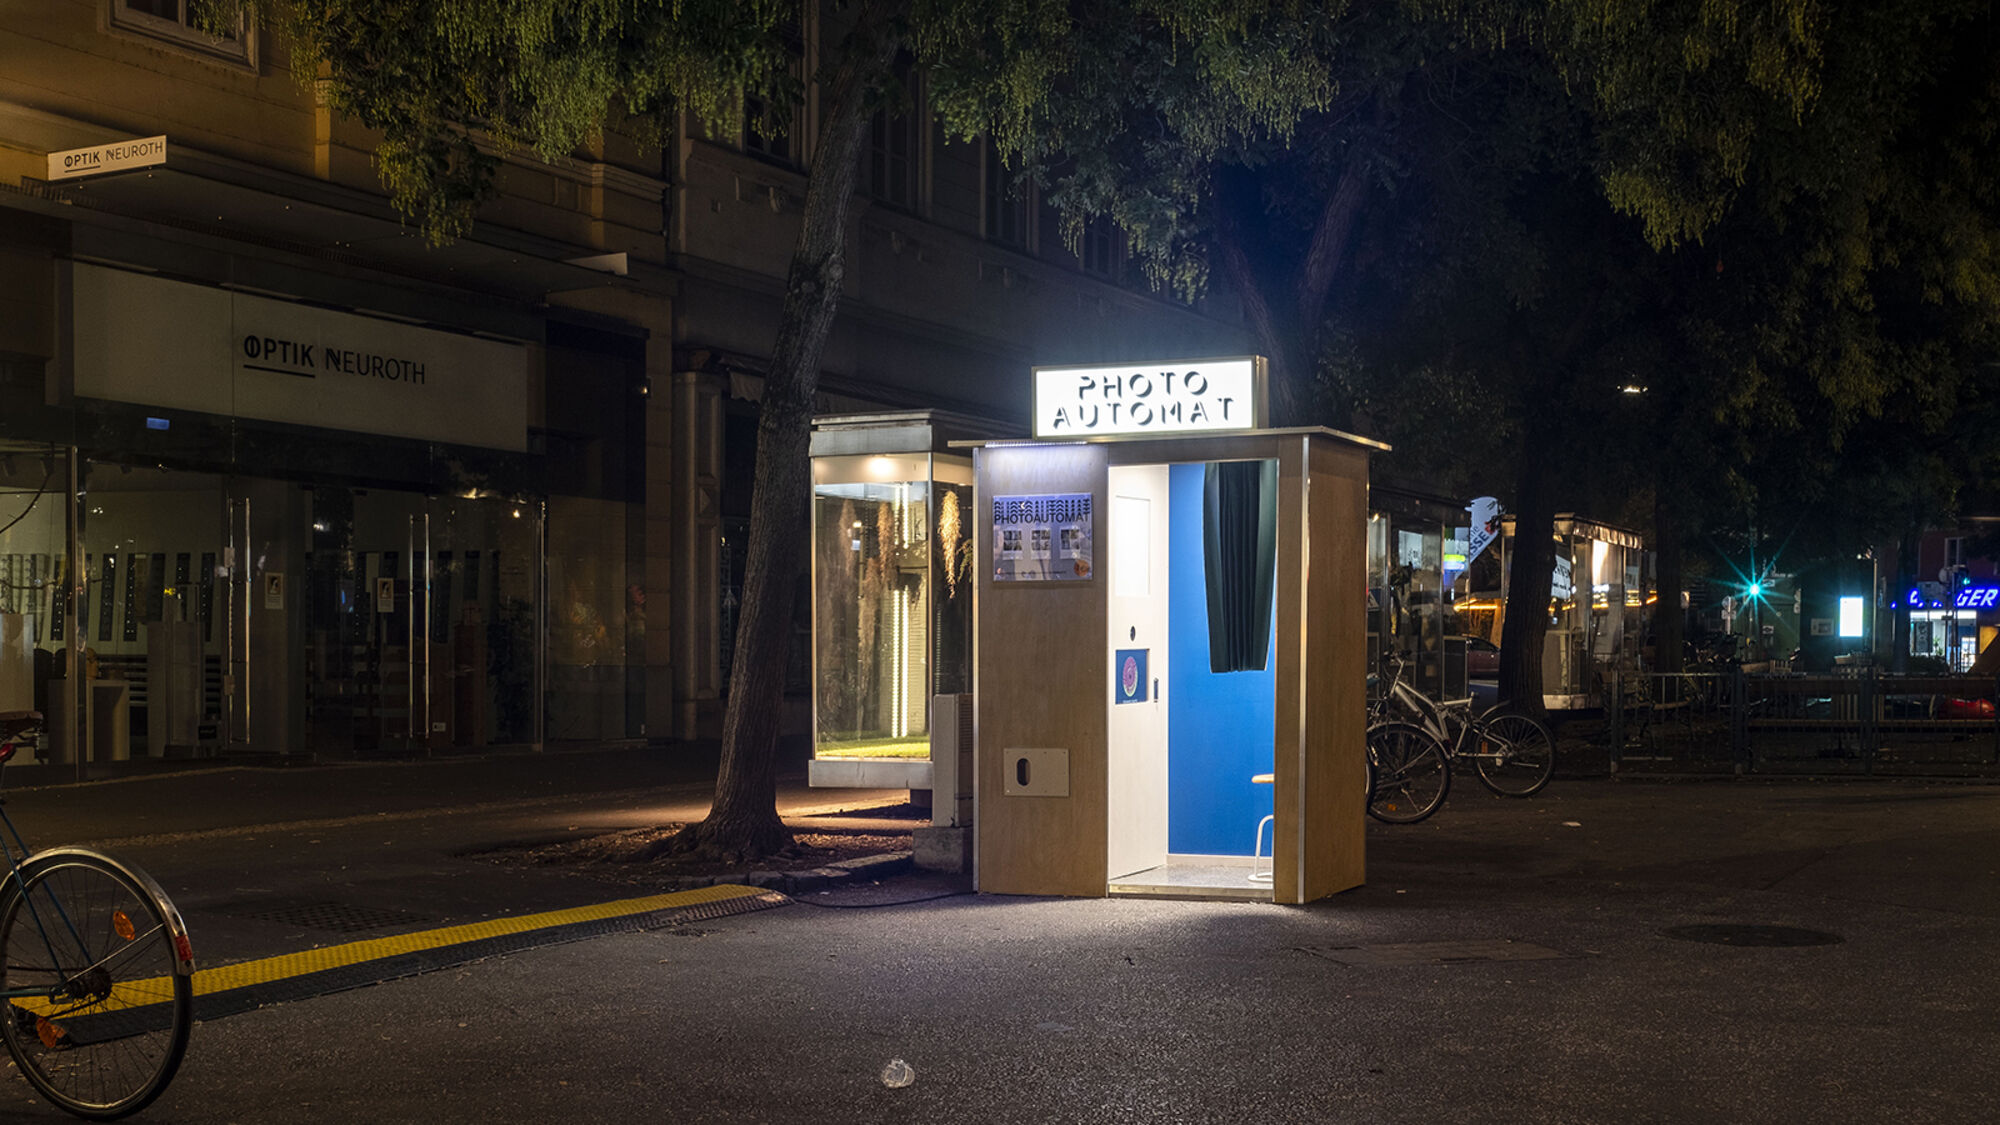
x=1516, y=754
x=97, y=970
x=1411, y=774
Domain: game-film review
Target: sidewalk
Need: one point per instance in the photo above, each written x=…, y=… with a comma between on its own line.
x=212, y=795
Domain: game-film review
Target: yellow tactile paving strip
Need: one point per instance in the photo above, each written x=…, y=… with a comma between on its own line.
x=247, y=974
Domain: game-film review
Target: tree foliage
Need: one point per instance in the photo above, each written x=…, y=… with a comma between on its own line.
x=455, y=85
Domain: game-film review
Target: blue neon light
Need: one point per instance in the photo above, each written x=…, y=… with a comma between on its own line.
x=1970, y=597
x=1977, y=597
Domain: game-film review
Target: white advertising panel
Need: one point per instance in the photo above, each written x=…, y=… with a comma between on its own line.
x=1151, y=398
x=1853, y=621
x=155, y=342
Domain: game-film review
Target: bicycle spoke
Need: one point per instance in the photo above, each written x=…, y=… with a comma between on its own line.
x=110, y=1023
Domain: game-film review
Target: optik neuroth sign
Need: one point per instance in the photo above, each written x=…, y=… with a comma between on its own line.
x=1152, y=398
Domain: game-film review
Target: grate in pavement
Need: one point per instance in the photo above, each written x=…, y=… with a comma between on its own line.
x=316, y=914
x=1767, y=937
x=1433, y=952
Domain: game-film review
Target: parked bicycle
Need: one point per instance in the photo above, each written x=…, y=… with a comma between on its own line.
x=1413, y=743
x=95, y=968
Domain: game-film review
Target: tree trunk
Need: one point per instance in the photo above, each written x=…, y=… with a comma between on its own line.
x=1669, y=620
x=744, y=822
x=1286, y=312
x=1532, y=565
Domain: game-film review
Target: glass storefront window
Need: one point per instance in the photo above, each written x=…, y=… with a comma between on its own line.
x=35, y=624
x=276, y=590
x=892, y=547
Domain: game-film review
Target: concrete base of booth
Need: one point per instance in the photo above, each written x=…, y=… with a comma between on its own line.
x=869, y=773
x=944, y=849
x=1207, y=877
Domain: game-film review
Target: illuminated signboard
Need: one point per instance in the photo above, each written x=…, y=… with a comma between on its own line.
x=118, y=156
x=1851, y=623
x=1969, y=597
x=1152, y=398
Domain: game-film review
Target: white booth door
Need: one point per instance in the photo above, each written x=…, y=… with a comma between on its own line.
x=1137, y=648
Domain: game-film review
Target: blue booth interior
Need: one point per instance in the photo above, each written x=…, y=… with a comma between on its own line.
x=1219, y=725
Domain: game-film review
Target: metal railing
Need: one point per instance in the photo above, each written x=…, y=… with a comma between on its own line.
x=1755, y=722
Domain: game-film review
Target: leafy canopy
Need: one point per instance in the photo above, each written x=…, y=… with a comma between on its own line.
x=453, y=85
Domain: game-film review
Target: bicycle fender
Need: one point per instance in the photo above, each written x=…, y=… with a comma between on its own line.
x=177, y=933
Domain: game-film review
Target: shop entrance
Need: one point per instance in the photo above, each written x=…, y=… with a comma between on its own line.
x=420, y=621
x=1191, y=567
x=226, y=613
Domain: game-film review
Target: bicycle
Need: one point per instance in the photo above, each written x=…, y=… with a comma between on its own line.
x=1514, y=754
x=96, y=971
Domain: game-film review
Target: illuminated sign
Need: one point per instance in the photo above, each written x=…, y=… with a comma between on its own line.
x=1171, y=397
x=1969, y=597
x=119, y=156
x=1851, y=624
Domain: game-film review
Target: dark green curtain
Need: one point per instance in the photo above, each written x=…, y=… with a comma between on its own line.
x=1239, y=543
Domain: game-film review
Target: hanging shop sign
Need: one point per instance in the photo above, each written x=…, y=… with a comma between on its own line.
x=148, y=340
x=1042, y=538
x=1485, y=526
x=118, y=156
x=1154, y=398
x=1562, y=584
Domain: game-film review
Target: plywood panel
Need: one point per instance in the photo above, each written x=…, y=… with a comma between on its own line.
x=1289, y=763
x=1042, y=676
x=1333, y=850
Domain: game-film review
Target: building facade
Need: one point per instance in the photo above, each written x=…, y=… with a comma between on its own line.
x=285, y=479
x=1952, y=607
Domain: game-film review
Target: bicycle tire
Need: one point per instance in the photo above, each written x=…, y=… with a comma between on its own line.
x=1526, y=753
x=1412, y=774
x=112, y=954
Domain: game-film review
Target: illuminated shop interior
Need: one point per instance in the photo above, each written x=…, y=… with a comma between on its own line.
x=892, y=593
x=1415, y=549
x=1599, y=598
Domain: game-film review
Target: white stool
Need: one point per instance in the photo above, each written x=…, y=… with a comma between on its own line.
x=1257, y=849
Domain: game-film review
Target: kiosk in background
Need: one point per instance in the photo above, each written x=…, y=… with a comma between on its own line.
x=1599, y=599
x=1411, y=612
x=1169, y=640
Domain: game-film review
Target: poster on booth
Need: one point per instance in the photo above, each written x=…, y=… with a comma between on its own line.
x=1042, y=538
x=1130, y=670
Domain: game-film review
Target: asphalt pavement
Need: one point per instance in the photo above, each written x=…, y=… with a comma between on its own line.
x=1609, y=951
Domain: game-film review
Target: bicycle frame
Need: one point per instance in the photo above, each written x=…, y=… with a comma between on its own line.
x=1446, y=722
x=1452, y=724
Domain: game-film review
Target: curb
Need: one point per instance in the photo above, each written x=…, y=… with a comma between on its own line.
x=845, y=872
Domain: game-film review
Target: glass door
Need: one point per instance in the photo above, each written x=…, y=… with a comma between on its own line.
x=161, y=631
x=423, y=624
x=480, y=679
x=364, y=587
